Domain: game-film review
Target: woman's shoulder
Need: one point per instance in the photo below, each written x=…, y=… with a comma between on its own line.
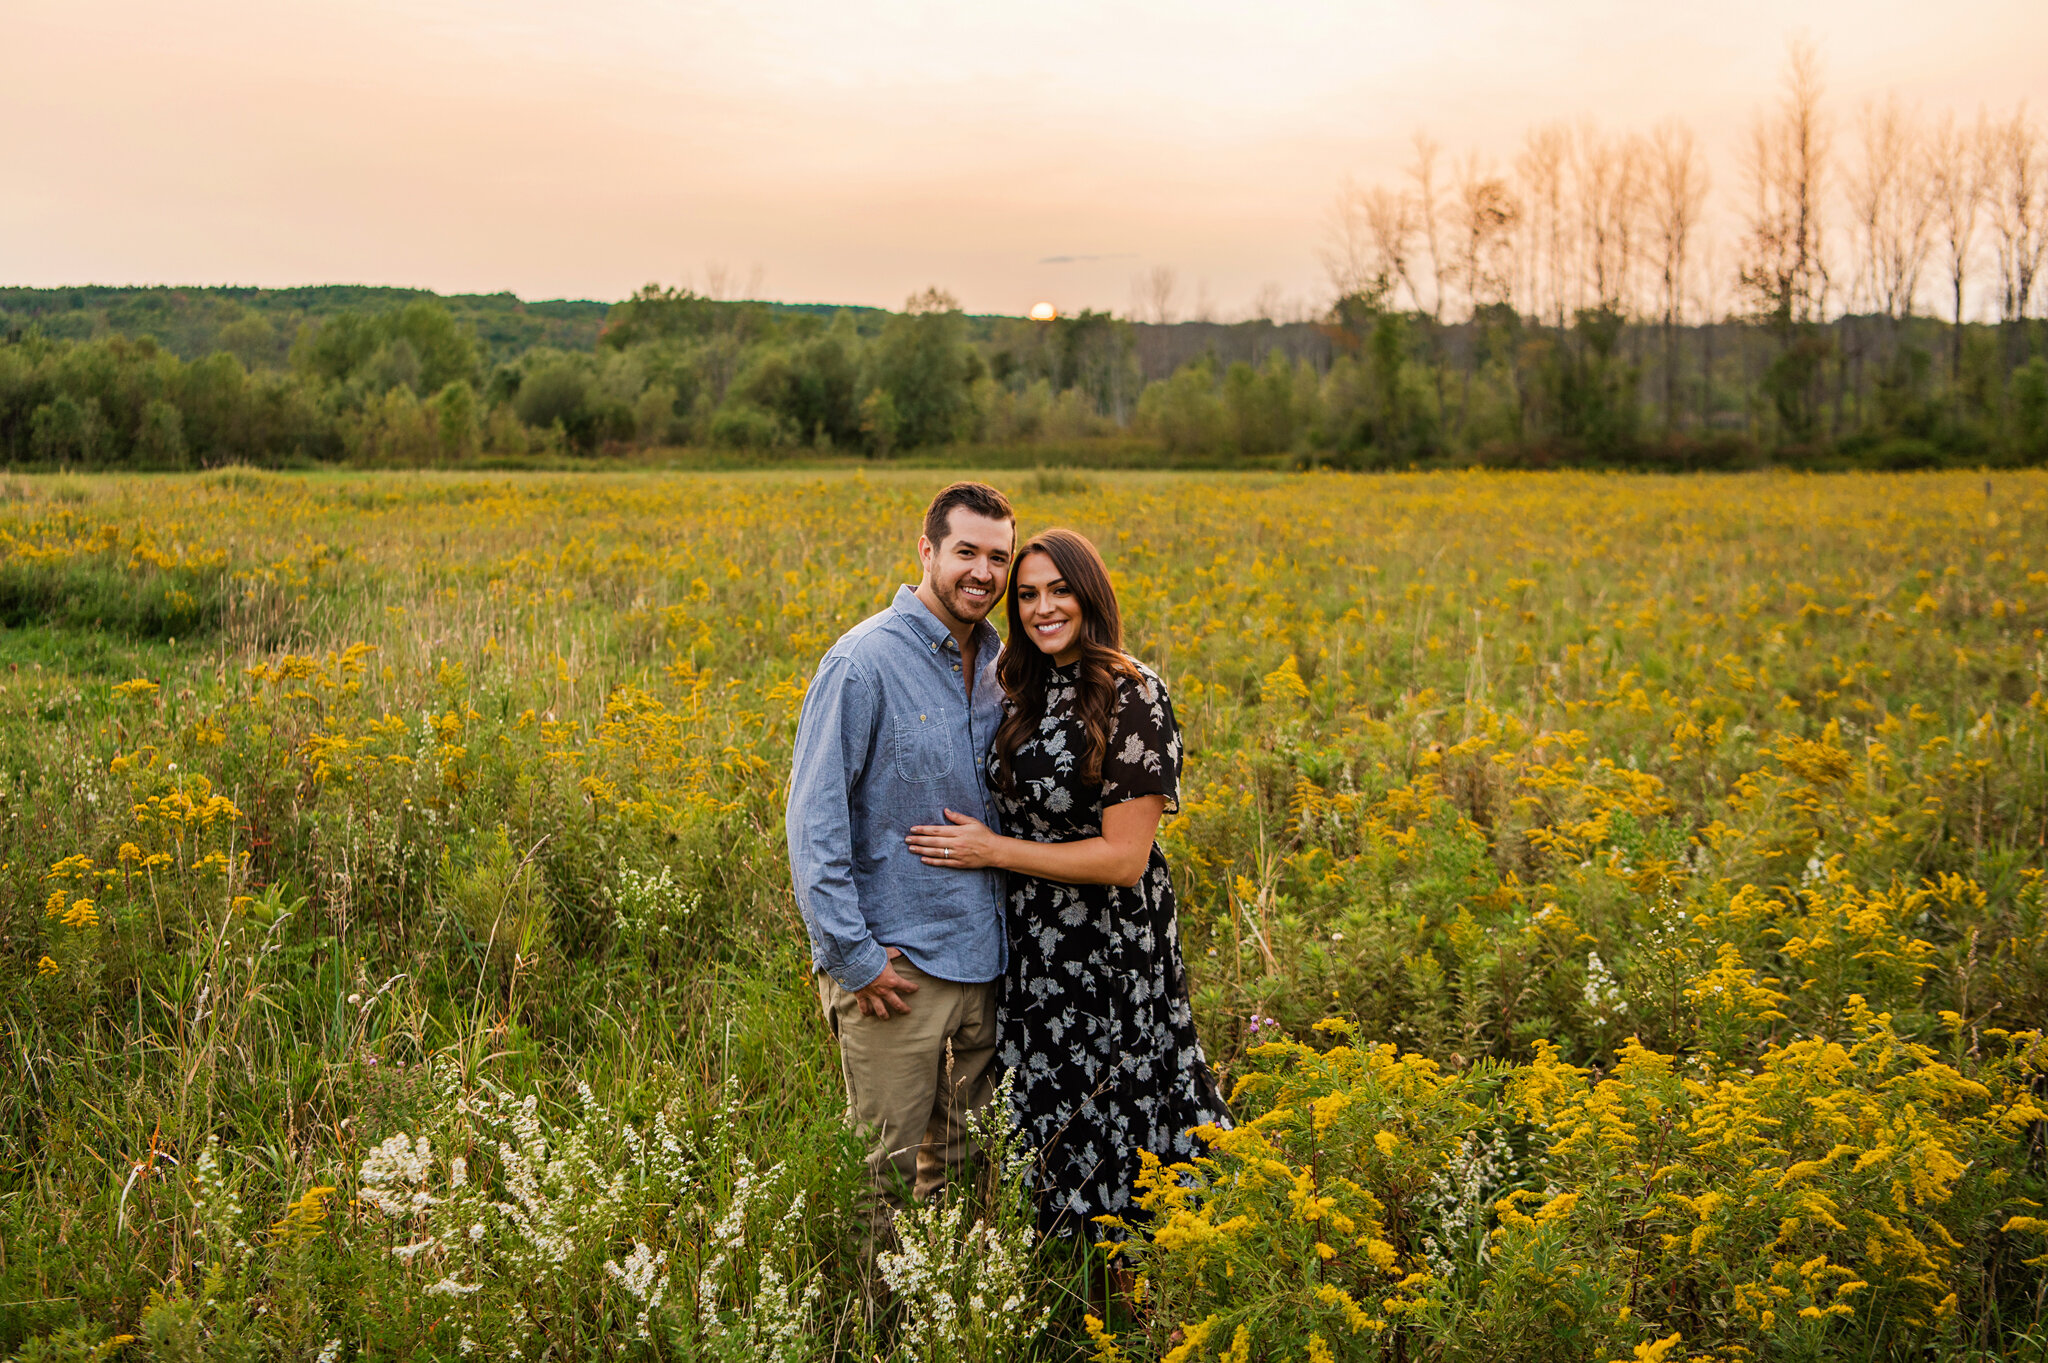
x=1137, y=682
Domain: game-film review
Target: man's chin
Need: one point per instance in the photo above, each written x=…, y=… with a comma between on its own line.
x=967, y=610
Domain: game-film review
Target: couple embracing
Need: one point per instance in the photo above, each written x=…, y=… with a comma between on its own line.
x=971, y=838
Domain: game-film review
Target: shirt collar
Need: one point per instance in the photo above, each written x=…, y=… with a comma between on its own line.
x=912, y=608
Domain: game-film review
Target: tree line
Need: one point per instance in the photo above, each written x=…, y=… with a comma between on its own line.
x=1874, y=303
x=411, y=384
x=1601, y=309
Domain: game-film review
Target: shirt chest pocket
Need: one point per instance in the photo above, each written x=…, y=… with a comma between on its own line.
x=923, y=746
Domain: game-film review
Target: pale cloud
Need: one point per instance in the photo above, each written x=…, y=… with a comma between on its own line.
x=851, y=152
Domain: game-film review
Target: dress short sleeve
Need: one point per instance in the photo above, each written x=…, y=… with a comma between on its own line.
x=1144, y=744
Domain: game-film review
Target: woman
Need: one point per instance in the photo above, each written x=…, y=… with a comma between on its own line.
x=1094, y=1021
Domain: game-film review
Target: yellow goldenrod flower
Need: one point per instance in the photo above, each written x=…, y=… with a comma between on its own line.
x=305, y=1219
x=1106, y=1350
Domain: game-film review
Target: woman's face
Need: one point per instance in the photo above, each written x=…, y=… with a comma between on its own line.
x=1050, y=611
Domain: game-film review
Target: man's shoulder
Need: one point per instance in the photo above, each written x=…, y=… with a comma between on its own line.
x=879, y=636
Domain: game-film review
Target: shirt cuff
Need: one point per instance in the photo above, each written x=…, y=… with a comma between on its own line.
x=862, y=969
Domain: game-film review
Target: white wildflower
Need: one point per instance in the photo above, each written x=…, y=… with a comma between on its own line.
x=394, y=1175
x=644, y=1275
x=1602, y=991
x=1474, y=1175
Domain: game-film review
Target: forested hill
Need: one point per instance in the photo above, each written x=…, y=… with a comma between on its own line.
x=259, y=325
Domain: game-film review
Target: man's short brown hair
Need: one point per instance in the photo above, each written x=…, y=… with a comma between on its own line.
x=979, y=498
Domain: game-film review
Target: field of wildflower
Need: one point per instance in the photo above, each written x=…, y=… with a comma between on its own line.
x=1615, y=904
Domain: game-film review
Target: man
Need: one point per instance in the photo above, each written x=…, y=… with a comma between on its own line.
x=895, y=729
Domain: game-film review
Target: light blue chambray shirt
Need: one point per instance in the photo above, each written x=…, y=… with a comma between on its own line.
x=888, y=738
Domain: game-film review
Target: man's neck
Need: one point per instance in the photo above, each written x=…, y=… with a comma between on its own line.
x=963, y=634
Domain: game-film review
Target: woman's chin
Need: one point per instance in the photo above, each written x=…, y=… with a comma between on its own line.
x=1050, y=647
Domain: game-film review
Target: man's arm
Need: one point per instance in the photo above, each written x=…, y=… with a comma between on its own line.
x=834, y=735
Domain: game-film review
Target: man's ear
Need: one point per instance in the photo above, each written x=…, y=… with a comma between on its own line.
x=925, y=553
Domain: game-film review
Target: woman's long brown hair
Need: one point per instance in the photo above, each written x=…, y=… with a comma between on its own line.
x=1025, y=668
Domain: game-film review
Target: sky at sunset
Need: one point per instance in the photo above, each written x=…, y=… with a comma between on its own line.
x=856, y=152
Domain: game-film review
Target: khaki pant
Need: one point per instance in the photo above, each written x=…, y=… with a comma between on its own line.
x=911, y=1080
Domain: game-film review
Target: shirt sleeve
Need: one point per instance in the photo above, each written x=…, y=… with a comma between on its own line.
x=1144, y=745
x=834, y=741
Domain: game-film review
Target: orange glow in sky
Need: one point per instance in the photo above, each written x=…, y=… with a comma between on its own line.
x=857, y=152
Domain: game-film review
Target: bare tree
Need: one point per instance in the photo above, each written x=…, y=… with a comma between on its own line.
x=1955, y=185
x=1347, y=250
x=1155, y=290
x=1592, y=181
x=1893, y=210
x=1541, y=167
x=2018, y=197
x=1393, y=229
x=1369, y=247
x=1626, y=218
x=1787, y=163
x=1609, y=183
x=1678, y=191
x=1487, y=216
x=1422, y=171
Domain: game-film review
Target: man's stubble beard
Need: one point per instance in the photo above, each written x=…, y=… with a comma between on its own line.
x=960, y=607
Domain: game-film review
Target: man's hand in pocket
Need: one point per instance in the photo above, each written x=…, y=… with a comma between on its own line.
x=886, y=994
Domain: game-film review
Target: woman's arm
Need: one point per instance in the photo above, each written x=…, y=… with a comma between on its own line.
x=1118, y=857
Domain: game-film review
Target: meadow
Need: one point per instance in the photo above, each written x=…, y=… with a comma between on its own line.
x=1615, y=904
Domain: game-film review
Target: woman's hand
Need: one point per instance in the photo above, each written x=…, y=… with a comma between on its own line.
x=961, y=841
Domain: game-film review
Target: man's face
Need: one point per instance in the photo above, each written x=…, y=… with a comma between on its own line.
x=969, y=570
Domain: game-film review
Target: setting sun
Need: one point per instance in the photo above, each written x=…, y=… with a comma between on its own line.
x=1043, y=312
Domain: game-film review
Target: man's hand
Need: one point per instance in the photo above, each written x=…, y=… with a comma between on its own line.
x=886, y=992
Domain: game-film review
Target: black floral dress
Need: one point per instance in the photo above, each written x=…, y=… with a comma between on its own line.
x=1095, y=1021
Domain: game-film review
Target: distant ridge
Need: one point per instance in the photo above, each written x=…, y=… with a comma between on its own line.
x=193, y=321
